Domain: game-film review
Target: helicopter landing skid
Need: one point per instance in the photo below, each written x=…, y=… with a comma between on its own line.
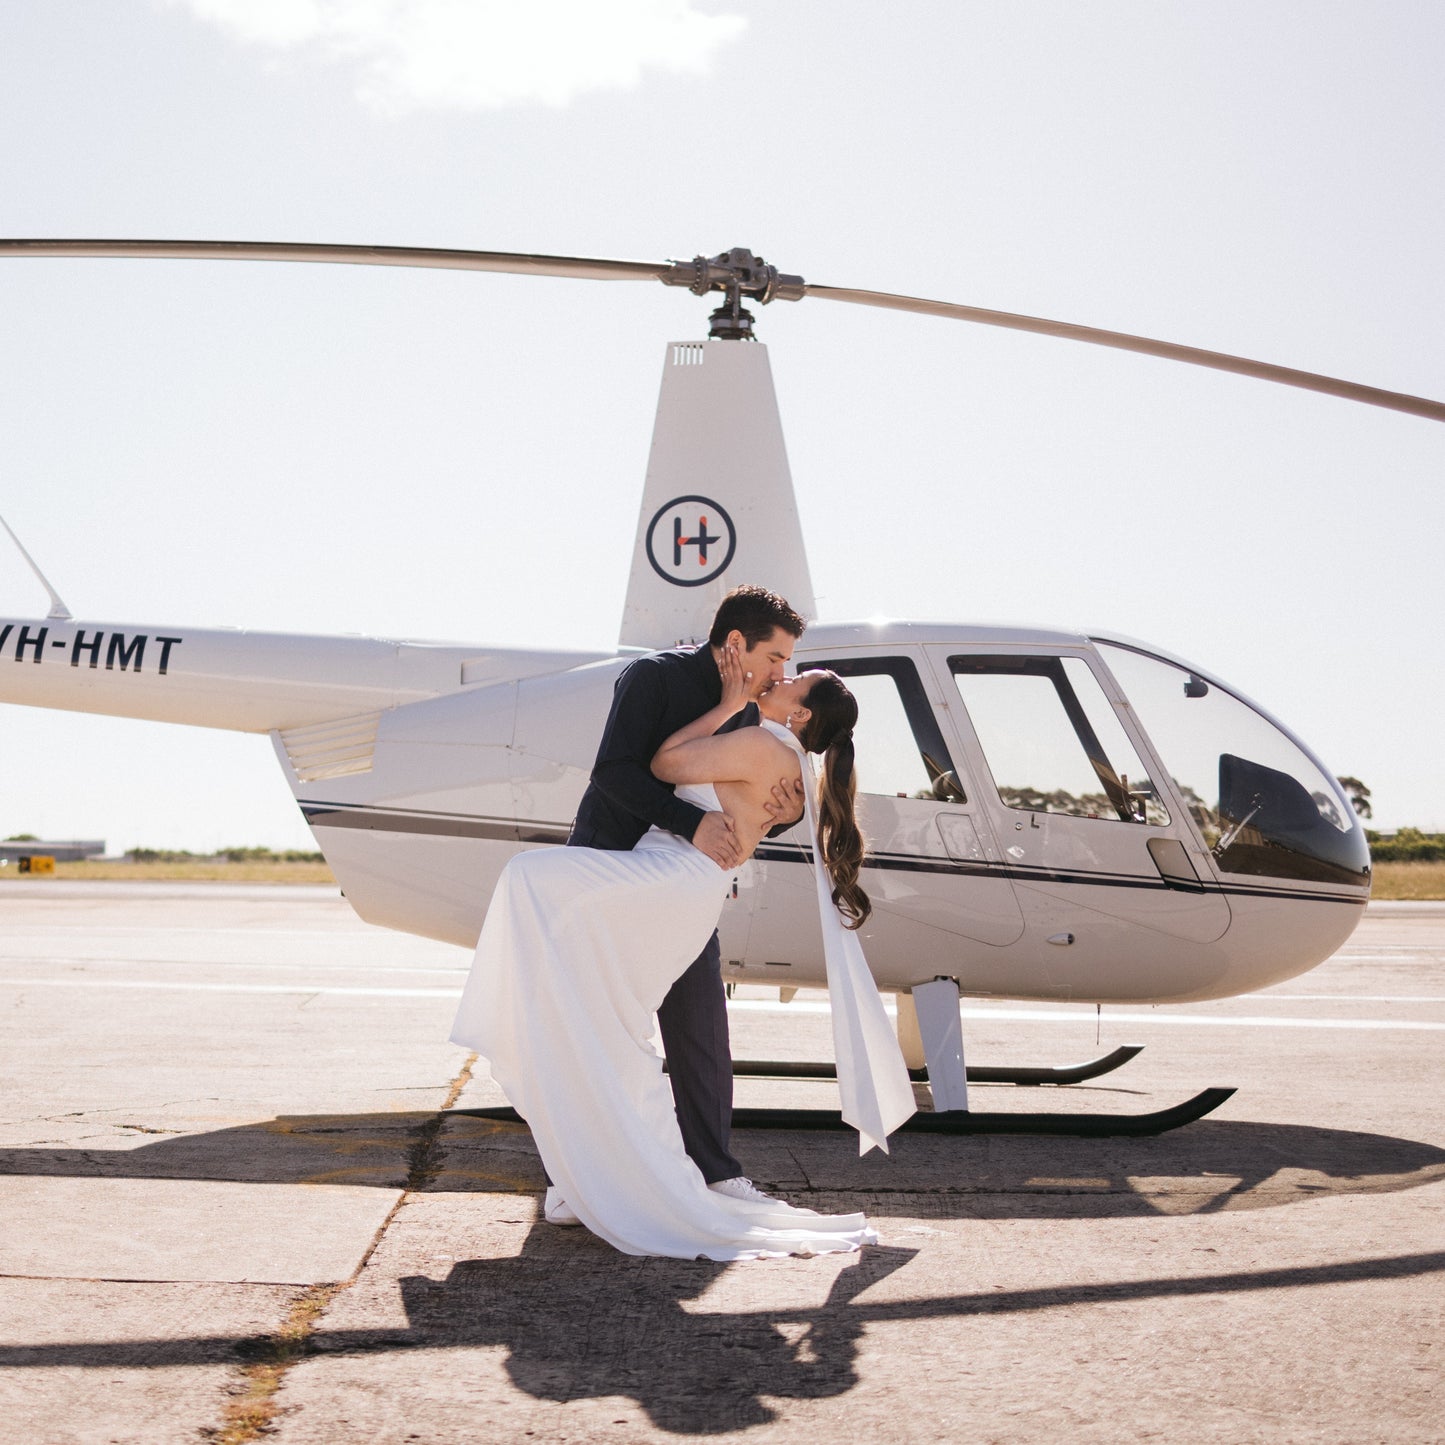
x=964, y=1121
x=1027, y=1076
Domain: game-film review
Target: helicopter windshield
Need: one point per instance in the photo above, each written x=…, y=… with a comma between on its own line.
x=1262, y=803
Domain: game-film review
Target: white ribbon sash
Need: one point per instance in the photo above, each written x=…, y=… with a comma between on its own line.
x=876, y=1093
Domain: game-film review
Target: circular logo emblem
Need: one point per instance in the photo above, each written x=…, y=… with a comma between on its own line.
x=690, y=541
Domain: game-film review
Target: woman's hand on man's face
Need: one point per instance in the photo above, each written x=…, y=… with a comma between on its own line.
x=737, y=683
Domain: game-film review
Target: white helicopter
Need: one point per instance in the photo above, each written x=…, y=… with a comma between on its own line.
x=1051, y=816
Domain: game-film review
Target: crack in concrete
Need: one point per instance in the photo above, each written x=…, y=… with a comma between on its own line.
x=268, y=1359
x=802, y=1171
x=252, y=1408
x=122, y=1108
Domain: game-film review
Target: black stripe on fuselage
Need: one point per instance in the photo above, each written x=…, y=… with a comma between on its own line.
x=509, y=830
x=912, y=863
x=441, y=825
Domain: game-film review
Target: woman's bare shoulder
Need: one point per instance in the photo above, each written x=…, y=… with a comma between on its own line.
x=768, y=751
x=761, y=741
x=752, y=752
x=742, y=755
x=749, y=746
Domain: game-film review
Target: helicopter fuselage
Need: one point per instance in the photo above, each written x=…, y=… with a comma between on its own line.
x=1027, y=836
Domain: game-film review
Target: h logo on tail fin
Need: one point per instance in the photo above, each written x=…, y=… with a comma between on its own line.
x=700, y=541
x=683, y=524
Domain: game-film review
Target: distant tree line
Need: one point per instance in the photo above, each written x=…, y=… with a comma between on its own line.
x=231, y=855
x=1409, y=845
x=180, y=855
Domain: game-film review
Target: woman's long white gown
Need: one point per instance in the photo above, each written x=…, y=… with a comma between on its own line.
x=578, y=950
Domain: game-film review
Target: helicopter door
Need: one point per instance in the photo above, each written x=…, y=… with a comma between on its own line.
x=924, y=828
x=1079, y=818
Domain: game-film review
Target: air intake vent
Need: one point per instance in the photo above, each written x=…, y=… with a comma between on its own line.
x=332, y=749
x=687, y=353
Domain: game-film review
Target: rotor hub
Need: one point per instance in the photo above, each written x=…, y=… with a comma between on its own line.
x=738, y=274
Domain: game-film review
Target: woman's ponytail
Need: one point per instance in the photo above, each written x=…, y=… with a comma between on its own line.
x=830, y=731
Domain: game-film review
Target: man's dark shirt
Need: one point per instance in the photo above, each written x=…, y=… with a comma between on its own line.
x=654, y=697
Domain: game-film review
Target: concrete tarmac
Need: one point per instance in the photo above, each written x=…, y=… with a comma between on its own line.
x=239, y=1193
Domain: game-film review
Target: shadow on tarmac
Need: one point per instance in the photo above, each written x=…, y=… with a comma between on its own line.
x=576, y=1327
x=1209, y=1166
x=582, y=1322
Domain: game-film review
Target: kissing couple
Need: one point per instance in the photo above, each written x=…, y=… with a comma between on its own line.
x=706, y=751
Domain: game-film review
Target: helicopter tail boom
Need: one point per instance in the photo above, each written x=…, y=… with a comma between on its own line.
x=239, y=680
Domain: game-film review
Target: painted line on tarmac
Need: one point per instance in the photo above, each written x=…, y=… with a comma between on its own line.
x=233, y=963
x=299, y=988
x=93, y=930
x=1424, y=954
x=1113, y=1016
x=757, y=1005
x=1359, y=997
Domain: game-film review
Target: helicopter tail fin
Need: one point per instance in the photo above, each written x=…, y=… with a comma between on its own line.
x=717, y=507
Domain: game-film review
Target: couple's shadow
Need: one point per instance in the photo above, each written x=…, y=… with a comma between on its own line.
x=580, y=1322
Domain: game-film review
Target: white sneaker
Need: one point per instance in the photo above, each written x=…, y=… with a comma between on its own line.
x=742, y=1188
x=556, y=1210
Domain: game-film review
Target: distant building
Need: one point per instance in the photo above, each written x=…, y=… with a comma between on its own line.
x=67, y=852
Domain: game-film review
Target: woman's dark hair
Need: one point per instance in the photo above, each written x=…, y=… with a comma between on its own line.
x=829, y=730
x=756, y=613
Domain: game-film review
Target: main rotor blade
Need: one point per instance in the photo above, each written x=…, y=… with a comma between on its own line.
x=582, y=267
x=1217, y=360
x=699, y=277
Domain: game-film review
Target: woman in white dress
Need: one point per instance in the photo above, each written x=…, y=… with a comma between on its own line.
x=580, y=946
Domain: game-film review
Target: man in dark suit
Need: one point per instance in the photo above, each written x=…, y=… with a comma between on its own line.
x=654, y=697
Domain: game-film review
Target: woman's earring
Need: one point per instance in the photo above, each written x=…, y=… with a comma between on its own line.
x=790, y=722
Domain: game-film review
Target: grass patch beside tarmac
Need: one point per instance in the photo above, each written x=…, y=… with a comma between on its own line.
x=1418, y=882
x=217, y=870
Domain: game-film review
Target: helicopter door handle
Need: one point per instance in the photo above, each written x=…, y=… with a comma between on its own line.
x=1174, y=865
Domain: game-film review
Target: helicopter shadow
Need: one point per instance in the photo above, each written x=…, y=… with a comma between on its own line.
x=1206, y=1167
x=1209, y=1166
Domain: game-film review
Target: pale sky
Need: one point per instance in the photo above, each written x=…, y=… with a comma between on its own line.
x=442, y=455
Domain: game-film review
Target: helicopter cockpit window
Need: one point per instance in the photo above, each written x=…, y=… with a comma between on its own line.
x=1052, y=741
x=1264, y=806
x=898, y=748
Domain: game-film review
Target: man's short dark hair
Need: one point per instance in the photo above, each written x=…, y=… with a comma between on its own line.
x=756, y=613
